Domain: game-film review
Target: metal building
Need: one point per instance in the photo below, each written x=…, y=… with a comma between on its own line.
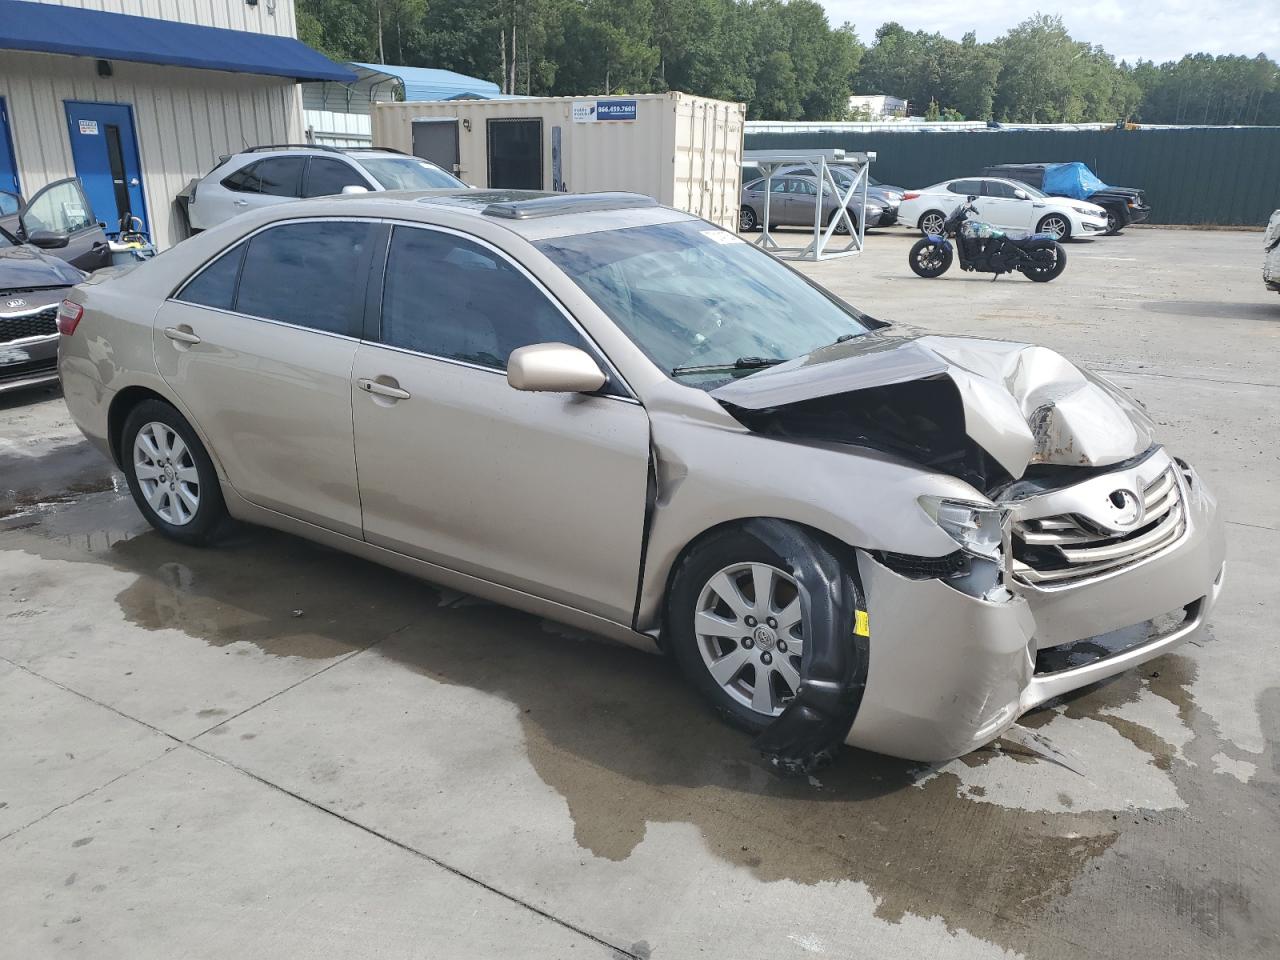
x=682, y=150
x=136, y=103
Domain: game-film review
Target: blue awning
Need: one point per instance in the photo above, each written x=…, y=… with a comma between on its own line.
x=429, y=83
x=52, y=28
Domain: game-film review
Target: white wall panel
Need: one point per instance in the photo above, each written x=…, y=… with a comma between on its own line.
x=231, y=14
x=184, y=119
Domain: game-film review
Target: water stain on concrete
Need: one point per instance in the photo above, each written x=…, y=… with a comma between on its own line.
x=626, y=743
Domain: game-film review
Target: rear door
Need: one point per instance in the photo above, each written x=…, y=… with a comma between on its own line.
x=541, y=492
x=262, y=183
x=62, y=209
x=259, y=347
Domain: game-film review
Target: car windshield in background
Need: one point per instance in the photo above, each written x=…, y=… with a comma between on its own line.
x=407, y=173
x=693, y=296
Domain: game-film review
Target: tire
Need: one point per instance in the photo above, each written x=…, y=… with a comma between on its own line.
x=927, y=216
x=1042, y=275
x=157, y=442
x=1114, y=223
x=753, y=651
x=929, y=260
x=841, y=230
x=1062, y=232
x=747, y=220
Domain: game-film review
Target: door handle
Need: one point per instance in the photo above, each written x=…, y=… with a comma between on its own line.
x=241, y=203
x=179, y=335
x=382, y=389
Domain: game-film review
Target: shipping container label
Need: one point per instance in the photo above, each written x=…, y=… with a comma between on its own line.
x=598, y=110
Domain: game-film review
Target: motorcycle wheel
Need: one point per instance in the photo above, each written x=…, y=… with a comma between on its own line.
x=929, y=260
x=1050, y=260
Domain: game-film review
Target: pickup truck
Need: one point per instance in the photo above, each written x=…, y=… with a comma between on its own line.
x=1124, y=205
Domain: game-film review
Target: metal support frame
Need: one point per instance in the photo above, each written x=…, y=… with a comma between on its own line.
x=819, y=162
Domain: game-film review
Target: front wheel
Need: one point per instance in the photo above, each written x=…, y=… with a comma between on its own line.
x=170, y=475
x=929, y=259
x=1048, y=260
x=1055, y=225
x=1114, y=224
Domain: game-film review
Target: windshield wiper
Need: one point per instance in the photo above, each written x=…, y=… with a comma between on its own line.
x=742, y=363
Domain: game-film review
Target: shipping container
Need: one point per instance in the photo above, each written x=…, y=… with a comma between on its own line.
x=682, y=150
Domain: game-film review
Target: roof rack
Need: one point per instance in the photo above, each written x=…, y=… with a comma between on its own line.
x=291, y=146
x=372, y=150
x=565, y=204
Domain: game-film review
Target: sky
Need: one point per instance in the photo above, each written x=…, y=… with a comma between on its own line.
x=1128, y=29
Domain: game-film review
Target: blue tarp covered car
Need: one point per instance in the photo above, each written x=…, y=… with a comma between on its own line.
x=1071, y=180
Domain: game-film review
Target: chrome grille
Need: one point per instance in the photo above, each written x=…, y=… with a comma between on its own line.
x=42, y=323
x=1070, y=547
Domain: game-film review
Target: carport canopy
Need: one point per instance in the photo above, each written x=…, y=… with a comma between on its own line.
x=52, y=28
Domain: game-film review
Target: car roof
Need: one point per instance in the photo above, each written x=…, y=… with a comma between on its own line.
x=533, y=214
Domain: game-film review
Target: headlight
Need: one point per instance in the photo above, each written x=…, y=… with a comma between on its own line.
x=1085, y=211
x=978, y=528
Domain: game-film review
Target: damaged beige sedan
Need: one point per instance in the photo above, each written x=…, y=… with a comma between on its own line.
x=613, y=414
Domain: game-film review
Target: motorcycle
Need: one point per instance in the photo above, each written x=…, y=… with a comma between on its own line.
x=984, y=249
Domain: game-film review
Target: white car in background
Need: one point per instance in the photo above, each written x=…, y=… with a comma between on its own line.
x=262, y=176
x=1006, y=204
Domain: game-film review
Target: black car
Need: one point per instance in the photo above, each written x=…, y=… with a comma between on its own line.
x=1124, y=205
x=32, y=284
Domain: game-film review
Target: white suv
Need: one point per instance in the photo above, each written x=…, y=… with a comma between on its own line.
x=262, y=176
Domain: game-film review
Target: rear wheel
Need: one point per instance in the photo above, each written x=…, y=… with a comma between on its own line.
x=933, y=222
x=1048, y=262
x=170, y=475
x=747, y=221
x=928, y=259
x=1055, y=225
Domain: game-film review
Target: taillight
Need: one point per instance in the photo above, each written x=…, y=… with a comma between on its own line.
x=910, y=195
x=69, y=314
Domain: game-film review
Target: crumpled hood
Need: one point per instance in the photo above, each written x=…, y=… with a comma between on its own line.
x=23, y=267
x=1022, y=404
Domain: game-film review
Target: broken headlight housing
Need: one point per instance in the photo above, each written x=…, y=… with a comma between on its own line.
x=980, y=530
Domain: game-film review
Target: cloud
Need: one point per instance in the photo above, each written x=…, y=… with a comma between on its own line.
x=1127, y=29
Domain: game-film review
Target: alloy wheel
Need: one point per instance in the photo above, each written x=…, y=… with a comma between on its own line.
x=750, y=631
x=166, y=473
x=746, y=220
x=1055, y=227
x=933, y=224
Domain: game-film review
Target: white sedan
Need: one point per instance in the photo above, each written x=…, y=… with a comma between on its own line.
x=1006, y=204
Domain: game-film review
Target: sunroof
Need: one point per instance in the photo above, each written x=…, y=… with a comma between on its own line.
x=565, y=203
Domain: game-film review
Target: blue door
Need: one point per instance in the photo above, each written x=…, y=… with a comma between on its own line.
x=105, y=150
x=8, y=166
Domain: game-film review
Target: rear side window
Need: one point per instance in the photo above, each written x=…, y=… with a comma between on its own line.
x=308, y=274
x=279, y=176
x=244, y=180
x=215, y=285
x=326, y=177
x=449, y=297
x=966, y=188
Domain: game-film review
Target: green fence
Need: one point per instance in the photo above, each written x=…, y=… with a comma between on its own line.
x=1209, y=175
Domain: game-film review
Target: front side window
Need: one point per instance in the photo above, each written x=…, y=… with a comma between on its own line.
x=279, y=176
x=61, y=208
x=449, y=297
x=327, y=177
x=310, y=274
x=693, y=296
x=215, y=285
x=996, y=188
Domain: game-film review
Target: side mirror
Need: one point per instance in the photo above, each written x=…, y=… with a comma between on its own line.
x=1021, y=194
x=354, y=188
x=48, y=239
x=553, y=368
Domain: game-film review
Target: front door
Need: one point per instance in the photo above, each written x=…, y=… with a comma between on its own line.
x=1000, y=206
x=259, y=346
x=436, y=140
x=541, y=492
x=105, y=150
x=59, y=218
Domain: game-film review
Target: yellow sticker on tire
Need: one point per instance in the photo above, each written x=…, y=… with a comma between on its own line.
x=861, y=624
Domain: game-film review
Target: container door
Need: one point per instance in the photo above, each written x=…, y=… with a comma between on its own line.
x=105, y=150
x=436, y=140
x=515, y=154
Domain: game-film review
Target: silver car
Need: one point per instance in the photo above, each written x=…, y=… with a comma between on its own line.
x=793, y=201
x=622, y=417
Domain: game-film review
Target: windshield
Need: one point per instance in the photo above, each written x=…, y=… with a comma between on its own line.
x=409, y=173
x=692, y=295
